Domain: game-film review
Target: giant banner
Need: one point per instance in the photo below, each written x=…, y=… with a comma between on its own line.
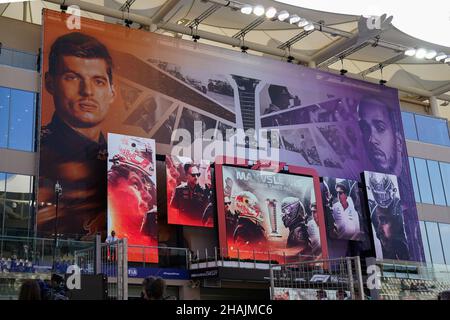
x=132, y=210
x=187, y=97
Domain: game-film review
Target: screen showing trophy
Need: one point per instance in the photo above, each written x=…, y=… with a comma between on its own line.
x=269, y=215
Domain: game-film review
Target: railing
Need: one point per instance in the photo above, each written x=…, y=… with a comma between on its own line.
x=412, y=281
x=416, y=271
x=330, y=279
x=223, y=257
x=19, y=59
x=426, y=128
x=166, y=257
x=40, y=252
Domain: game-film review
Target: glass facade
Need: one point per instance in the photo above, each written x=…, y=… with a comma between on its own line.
x=417, y=127
x=436, y=241
x=431, y=181
x=16, y=205
x=17, y=119
x=19, y=59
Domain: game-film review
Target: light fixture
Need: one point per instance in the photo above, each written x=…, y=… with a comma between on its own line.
x=421, y=53
x=410, y=52
x=247, y=9
x=271, y=12
x=283, y=15
x=303, y=22
x=309, y=27
x=431, y=54
x=294, y=19
x=441, y=56
x=258, y=10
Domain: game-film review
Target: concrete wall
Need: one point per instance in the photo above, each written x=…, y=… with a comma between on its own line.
x=19, y=35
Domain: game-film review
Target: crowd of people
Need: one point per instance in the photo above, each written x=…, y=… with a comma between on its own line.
x=14, y=264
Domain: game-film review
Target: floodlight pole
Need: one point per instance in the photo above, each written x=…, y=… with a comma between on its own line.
x=58, y=193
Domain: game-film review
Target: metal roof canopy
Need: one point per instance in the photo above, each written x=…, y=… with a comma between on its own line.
x=336, y=37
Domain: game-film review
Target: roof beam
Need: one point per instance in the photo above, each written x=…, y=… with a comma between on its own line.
x=289, y=43
x=249, y=27
x=3, y=8
x=164, y=10
x=127, y=5
x=204, y=15
x=441, y=90
x=383, y=64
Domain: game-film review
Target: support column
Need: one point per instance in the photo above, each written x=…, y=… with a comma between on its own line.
x=434, y=107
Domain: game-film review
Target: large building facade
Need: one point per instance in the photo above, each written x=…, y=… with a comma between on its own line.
x=427, y=143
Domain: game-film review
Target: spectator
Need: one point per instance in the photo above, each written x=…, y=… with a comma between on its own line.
x=154, y=288
x=30, y=290
x=444, y=295
x=111, y=241
x=341, y=295
x=321, y=295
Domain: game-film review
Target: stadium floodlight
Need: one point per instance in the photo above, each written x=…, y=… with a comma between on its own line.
x=303, y=22
x=294, y=19
x=259, y=10
x=283, y=15
x=441, y=56
x=271, y=12
x=246, y=9
x=410, y=52
x=309, y=27
x=431, y=54
x=421, y=53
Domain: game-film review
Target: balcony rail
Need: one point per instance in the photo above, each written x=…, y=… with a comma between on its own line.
x=426, y=128
x=17, y=58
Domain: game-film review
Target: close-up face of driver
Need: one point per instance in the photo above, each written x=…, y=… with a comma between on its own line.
x=384, y=227
x=82, y=90
x=193, y=176
x=378, y=135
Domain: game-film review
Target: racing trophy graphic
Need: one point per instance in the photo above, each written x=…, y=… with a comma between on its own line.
x=272, y=209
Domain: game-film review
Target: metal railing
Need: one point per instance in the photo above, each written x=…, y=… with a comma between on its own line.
x=40, y=252
x=330, y=279
x=223, y=257
x=17, y=58
x=417, y=127
x=164, y=257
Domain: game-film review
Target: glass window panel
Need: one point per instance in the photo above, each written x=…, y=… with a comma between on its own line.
x=412, y=168
x=434, y=240
x=423, y=181
x=439, y=134
x=17, y=204
x=436, y=182
x=409, y=126
x=6, y=57
x=24, y=60
x=445, y=237
x=445, y=172
x=426, y=248
x=2, y=198
x=21, y=126
x=5, y=94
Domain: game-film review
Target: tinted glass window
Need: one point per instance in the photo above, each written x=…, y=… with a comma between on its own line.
x=423, y=181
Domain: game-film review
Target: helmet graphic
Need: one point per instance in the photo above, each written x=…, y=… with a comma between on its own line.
x=247, y=205
x=292, y=211
x=382, y=188
x=139, y=160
